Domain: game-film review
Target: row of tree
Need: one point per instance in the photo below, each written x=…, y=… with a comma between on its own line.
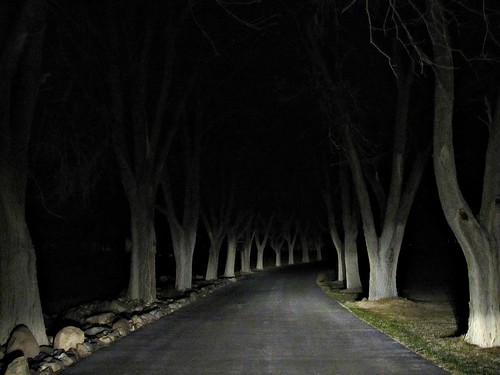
x=147, y=76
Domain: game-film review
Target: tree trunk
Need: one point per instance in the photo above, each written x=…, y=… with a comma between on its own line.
x=278, y=257
x=319, y=257
x=19, y=295
x=353, y=280
x=20, y=70
x=291, y=259
x=477, y=237
x=260, y=257
x=213, y=262
x=245, y=258
x=231, y=255
x=334, y=234
x=350, y=219
x=305, y=250
x=142, y=283
x=183, y=244
x=484, y=289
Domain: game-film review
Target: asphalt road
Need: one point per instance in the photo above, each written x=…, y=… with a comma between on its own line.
x=276, y=322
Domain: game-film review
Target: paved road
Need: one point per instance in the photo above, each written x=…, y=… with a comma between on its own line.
x=276, y=322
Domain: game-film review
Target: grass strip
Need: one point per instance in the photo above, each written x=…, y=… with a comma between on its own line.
x=427, y=328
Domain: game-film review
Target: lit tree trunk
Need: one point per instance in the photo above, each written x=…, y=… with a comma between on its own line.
x=350, y=217
x=183, y=221
x=141, y=142
x=231, y=254
x=383, y=251
x=20, y=63
x=216, y=221
x=213, y=261
x=261, y=242
x=334, y=234
x=235, y=231
x=142, y=281
x=277, y=262
x=260, y=258
x=318, y=244
x=291, y=231
x=247, y=251
x=277, y=244
x=304, y=243
x=476, y=236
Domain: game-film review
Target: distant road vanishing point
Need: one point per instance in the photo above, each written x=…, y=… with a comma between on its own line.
x=274, y=322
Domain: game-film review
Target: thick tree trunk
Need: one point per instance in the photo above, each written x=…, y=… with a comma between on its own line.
x=305, y=250
x=484, y=289
x=382, y=279
x=350, y=219
x=353, y=280
x=213, y=262
x=142, y=283
x=477, y=237
x=19, y=295
x=318, y=248
x=245, y=259
x=231, y=255
x=278, y=257
x=260, y=258
x=334, y=234
x=20, y=69
x=291, y=256
x=183, y=244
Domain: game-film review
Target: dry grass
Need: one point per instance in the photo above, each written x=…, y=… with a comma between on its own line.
x=427, y=328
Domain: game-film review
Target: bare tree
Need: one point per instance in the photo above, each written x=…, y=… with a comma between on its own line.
x=246, y=252
x=183, y=220
x=241, y=220
x=20, y=75
x=277, y=241
x=142, y=141
x=477, y=235
x=290, y=233
x=216, y=218
x=261, y=238
x=383, y=249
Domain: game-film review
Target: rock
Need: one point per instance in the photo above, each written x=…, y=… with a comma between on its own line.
x=137, y=322
x=68, y=337
x=118, y=306
x=193, y=297
x=65, y=359
x=46, y=349
x=95, y=331
x=102, y=319
x=22, y=339
x=83, y=350
x=123, y=326
x=148, y=318
x=51, y=367
x=18, y=366
x=107, y=339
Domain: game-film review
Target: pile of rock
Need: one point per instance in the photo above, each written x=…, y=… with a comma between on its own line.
x=96, y=324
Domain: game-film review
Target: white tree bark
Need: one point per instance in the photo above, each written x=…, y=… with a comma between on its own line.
x=334, y=234
x=20, y=66
x=277, y=244
x=350, y=218
x=142, y=280
x=476, y=236
x=231, y=254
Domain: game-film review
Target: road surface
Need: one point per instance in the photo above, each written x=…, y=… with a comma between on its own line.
x=275, y=322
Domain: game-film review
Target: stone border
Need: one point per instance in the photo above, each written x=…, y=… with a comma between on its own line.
x=98, y=324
